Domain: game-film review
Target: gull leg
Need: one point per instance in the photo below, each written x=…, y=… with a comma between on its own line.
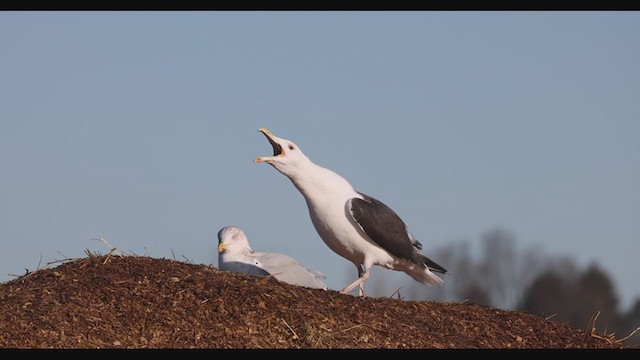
x=361, y=286
x=363, y=275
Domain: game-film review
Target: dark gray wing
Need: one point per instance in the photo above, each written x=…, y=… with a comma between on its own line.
x=384, y=227
x=432, y=265
x=416, y=243
x=388, y=231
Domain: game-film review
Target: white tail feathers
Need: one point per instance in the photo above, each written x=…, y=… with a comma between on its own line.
x=425, y=276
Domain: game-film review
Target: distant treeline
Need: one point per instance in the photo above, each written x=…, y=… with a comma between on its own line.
x=503, y=276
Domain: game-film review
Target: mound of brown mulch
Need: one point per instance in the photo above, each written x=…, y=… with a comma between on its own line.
x=140, y=302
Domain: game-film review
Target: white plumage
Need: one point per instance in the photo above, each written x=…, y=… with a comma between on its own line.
x=356, y=226
x=235, y=255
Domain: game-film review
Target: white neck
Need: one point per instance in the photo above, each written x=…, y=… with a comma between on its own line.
x=315, y=182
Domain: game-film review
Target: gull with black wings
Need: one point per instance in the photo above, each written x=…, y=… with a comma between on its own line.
x=355, y=226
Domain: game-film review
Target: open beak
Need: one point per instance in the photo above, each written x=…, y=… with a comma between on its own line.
x=274, y=141
x=221, y=247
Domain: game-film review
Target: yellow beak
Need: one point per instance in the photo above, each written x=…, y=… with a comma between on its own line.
x=266, y=132
x=221, y=247
x=273, y=140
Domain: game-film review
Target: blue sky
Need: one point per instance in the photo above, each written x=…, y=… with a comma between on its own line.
x=141, y=127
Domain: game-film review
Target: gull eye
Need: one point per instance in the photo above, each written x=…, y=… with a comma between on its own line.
x=291, y=147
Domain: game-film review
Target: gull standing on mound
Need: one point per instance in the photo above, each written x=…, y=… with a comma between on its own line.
x=355, y=226
x=235, y=255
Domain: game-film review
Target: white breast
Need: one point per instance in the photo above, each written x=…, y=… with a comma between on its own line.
x=326, y=195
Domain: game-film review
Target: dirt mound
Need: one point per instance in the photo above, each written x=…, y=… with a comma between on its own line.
x=137, y=302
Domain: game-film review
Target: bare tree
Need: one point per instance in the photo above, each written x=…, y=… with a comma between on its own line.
x=596, y=293
x=559, y=293
x=504, y=276
x=460, y=277
x=548, y=296
x=499, y=267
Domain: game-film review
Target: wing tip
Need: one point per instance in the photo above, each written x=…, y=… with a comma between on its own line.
x=432, y=265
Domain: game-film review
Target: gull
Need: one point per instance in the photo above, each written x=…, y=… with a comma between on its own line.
x=235, y=255
x=356, y=226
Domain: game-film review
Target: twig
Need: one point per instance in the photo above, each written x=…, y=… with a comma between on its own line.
x=63, y=255
x=29, y=273
x=148, y=253
x=173, y=255
x=58, y=261
x=17, y=276
x=39, y=262
x=108, y=256
x=630, y=335
x=608, y=338
x=264, y=298
x=188, y=260
x=593, y=328
x=551, y=316
x=295, y=336
x=396, y=292
x=591, y=324
x=374, y=328
x=109, y=246
x=347, y=329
